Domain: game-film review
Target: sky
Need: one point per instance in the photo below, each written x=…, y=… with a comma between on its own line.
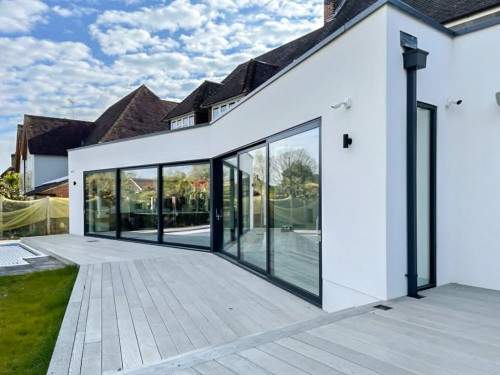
x=57, y=57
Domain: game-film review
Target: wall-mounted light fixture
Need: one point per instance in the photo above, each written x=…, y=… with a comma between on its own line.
x=74, y=183
x=451, y=102
x=346, y=104
x=498, y=97
x=347, y=141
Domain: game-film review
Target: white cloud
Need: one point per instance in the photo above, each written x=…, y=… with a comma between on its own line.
x=119, y=40
x=21, y=15
x=178, y=14
x=171, y=48
x=73, y=12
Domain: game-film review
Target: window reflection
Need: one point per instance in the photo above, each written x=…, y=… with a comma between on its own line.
x=186, y=204
x=138, y=204
x=230, y=205
x=294, y=209
x=253, y=185
x=100, y=203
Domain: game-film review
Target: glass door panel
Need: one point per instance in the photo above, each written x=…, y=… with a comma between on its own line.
x=253, y=238
x=424, y=196
x=186, y=205
x=294, y=209
x=230, y=206
x=139, y=204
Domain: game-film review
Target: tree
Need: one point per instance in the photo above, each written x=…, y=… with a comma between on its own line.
x=10, y=185
x=293, y=173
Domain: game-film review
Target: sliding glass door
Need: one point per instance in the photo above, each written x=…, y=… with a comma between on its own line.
x=229, y=210
x=268, y=209
x=294, y=210
x=253, y=237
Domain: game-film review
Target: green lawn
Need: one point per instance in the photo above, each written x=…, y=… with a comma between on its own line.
x=32, y=307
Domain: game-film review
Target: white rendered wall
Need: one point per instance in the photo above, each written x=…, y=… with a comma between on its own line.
x=468, y=156
x=353, y=180
x=432, y=88
x=49, y=168
x=470, y=181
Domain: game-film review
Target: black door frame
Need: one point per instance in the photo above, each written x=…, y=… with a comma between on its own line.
x=432, y=190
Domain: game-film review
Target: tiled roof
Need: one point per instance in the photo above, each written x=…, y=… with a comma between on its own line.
x=54, y=136
x=136, y=114
x=194, y=100
x=445, y=11
x=244, y=79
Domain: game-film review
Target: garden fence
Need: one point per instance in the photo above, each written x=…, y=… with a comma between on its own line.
x=33, y=218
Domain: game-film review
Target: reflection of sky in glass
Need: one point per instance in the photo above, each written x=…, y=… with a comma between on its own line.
x=151, y=173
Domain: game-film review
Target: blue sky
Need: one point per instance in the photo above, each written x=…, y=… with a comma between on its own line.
x=95, y=52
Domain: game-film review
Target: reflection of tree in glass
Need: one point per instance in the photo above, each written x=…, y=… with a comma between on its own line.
x=187, y=184
x=259, y=172
x=102, y=185
x=139, y=189
x=294, y=173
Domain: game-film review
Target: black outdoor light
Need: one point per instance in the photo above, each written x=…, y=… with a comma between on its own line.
x=74, y=183
x=347, y=141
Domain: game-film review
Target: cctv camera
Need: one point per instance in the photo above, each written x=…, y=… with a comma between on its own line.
x=346, y=104
x=453, y=102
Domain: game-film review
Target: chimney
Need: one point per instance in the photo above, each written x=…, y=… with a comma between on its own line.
x=331, y=8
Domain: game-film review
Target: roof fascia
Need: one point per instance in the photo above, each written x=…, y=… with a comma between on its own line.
x=477, y=27
x=189, y=128
x=420, y=16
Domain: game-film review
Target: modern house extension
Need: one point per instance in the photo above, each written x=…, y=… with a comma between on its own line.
x=362, y=168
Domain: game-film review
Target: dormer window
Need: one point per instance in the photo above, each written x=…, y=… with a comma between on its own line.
x=221, y=108
x=182, y=122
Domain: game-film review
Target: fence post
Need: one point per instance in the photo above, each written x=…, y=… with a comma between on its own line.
x=48, y=214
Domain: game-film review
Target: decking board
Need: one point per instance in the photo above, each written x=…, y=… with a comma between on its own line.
x=189, y=312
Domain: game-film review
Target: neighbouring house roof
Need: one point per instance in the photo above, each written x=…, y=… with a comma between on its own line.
x=43, y=189
x=53, y=136
x=136, y=114
x=245, y=79
x=194, y=100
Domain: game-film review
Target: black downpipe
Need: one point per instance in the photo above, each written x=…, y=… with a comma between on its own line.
x=414, y=59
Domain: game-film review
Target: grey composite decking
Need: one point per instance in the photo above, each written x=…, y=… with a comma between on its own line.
x=135, y=304
x=194, y=313
x=454, y=330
